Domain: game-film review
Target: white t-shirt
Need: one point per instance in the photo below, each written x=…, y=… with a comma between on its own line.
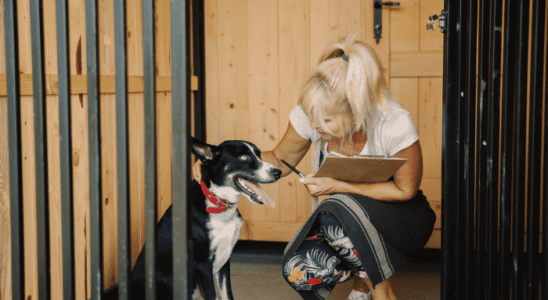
x=394, y=130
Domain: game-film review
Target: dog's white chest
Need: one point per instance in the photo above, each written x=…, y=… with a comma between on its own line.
x=224, y=230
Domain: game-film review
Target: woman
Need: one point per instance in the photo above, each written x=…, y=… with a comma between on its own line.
x=360, y=232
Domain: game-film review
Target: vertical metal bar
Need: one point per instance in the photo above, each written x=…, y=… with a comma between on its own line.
x=198, y=36
x=40, y=148
x=14, y=144
x=124, y=250
x=506, y=141
x=481, y=242
x=182, y=242
x=96, y=219
x=535, y=150
x=450, y=146
x=492, y=172
x=150, y=147
x=468, y=22
x=65, y=148
x=520, y=148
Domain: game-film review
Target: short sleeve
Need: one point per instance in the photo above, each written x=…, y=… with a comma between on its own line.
x=301, y=123
x=398, y=132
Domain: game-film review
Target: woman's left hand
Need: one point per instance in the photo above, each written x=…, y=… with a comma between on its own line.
x=318, y=186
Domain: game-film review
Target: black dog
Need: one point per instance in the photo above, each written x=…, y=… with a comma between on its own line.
x=229, y=170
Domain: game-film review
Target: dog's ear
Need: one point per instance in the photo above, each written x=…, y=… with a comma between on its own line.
x=203, y=151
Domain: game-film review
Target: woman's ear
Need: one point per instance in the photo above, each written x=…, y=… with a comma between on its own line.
x=203, y=151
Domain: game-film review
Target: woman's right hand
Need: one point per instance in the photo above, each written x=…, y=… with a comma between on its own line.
x=197, y=170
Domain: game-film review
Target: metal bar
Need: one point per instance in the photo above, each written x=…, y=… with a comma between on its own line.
x=40, y=149
x=124, y=237
x=94, y=123
x=65, y=153
x=469, y=10
x=520, y=147
x=182, y=242
x=535, y=150
x=506, y=141
x=493, y=139
x=481, y=242
x=450, y=146
x=198, y=36
x=14, y=145
x=124, y=250
x=150, y=147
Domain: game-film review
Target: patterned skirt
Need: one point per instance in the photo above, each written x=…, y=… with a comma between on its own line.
x=351, y=234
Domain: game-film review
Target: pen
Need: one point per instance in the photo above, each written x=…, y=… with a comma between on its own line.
x=293, y=169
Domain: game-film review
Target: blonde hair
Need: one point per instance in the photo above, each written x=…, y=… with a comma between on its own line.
x=353, y=86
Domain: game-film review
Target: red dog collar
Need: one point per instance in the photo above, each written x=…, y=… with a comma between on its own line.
x=220, y=204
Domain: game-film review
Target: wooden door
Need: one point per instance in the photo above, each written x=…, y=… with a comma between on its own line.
x=259, y=53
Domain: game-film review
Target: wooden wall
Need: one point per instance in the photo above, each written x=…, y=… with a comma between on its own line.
x=259, y=53
x=80, y=159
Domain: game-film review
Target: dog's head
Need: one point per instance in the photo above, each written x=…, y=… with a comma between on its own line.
x=236, y=165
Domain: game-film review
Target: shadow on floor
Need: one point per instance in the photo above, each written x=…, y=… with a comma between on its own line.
x=257, y=274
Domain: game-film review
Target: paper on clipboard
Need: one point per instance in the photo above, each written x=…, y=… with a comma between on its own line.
x=360, y=169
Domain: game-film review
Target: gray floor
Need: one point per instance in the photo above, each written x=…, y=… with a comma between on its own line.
x=256, y=274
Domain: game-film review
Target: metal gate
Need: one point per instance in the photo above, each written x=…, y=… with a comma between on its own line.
x=180, y=41
x=495, y=167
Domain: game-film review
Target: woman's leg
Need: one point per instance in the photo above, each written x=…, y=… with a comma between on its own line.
x=314, y=269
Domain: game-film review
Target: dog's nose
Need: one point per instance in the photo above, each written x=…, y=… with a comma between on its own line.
x=276, y=173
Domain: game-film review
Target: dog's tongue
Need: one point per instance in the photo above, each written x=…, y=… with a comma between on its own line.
x=263, y=196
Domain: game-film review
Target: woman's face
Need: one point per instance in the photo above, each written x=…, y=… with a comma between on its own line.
x=334, y=123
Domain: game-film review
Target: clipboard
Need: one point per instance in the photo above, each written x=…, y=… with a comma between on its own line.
x=360, y=169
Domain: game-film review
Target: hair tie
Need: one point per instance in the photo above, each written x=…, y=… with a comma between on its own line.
x=345, y=57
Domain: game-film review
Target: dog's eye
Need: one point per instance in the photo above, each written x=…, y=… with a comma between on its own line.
x=244, y=157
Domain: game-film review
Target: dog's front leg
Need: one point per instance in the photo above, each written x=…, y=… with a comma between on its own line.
x=223, y=282
x=204, y=280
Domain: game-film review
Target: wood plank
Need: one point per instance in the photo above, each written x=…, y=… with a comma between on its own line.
x=405, y=91
x=136, y=136
x=109, y=182
x=431, y=189
x=264, y=119
x=80, y=152
x=436, y=207
x=54, y=196
x=5, y=220
x=416, y=64
x=404, y=26
x=430, y=125
x=294, y=64
x=212, y=57
x=80, y=179
x=134, y=27
x=430, y=40
x=163, y=151
x=109, y=195
x=319, y=29
x=29, y=196
x=268, y=231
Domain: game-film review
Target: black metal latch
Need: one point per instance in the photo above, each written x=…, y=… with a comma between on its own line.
x=377, y=17
x=430, y=25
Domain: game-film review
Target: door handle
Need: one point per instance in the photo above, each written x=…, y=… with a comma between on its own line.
x=377, y=17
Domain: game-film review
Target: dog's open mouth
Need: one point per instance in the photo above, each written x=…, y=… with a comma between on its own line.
x=256, y=192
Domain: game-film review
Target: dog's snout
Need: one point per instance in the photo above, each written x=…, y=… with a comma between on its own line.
x=276, y=173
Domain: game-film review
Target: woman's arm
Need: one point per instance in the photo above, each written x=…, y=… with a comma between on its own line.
x=405, y=186
x=292, y=148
